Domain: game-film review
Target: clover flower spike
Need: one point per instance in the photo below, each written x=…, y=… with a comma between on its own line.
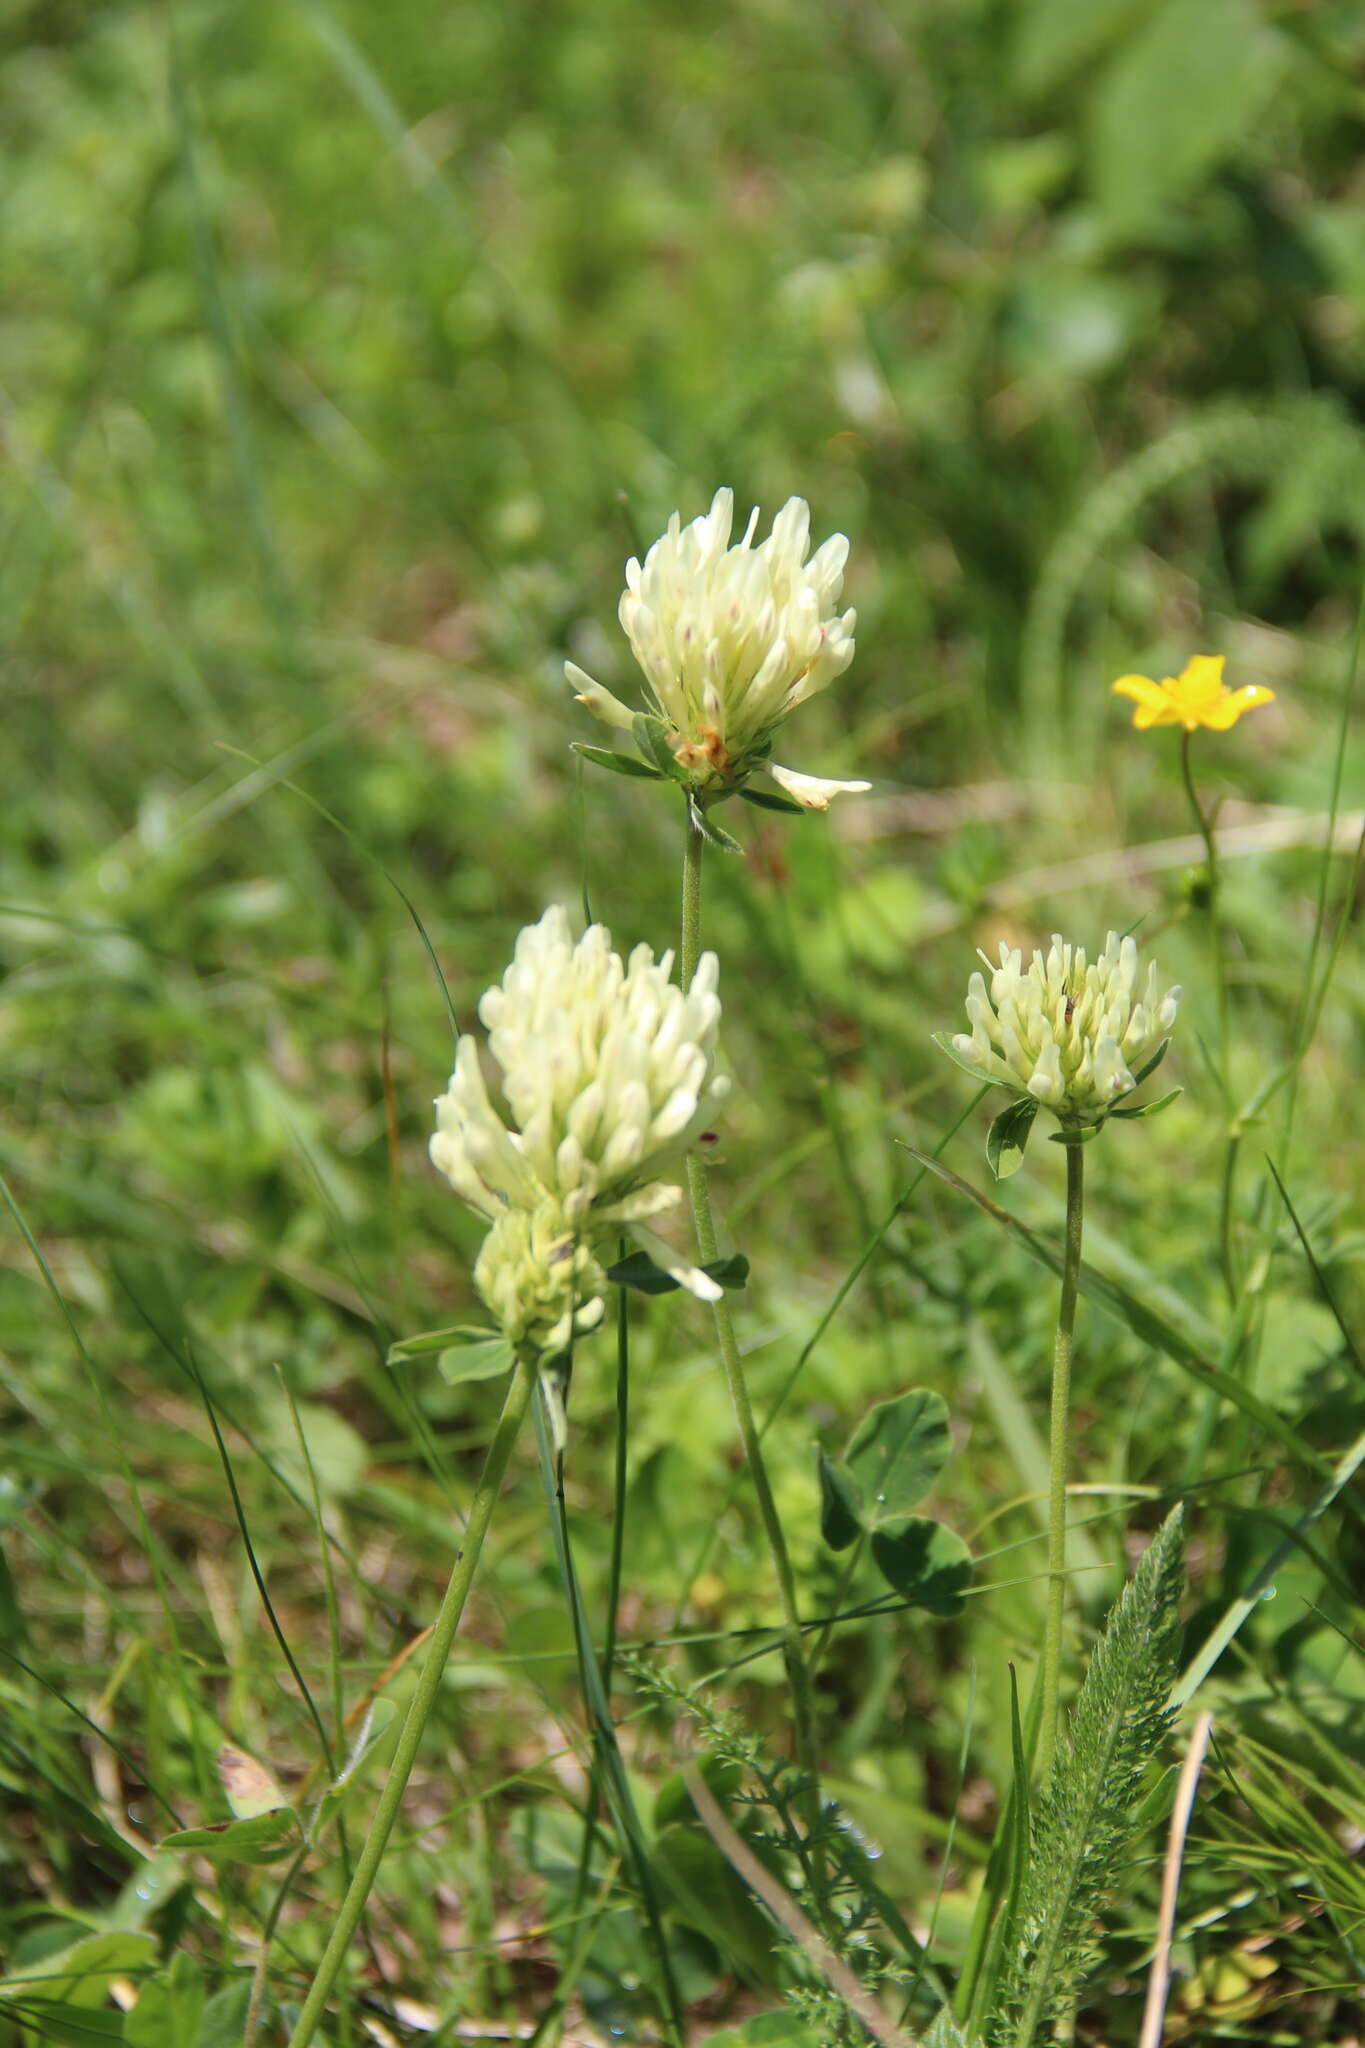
x=1074, y=1036
x=731, y=639
x=1198, y=696
x=608, y=1071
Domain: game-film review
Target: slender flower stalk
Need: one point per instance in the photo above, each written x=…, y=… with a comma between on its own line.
x=1076, y=1037
x=419, y=1707
x=1059, y=1458
x=793, y=1646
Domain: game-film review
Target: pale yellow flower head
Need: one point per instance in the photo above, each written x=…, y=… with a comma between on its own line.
x=540, y=1279
x=1198, y=696
x=731, y=638
x=608, y=1071
x=1075, y=1036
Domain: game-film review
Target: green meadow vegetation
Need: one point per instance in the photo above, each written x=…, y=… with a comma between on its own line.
x=346, y=355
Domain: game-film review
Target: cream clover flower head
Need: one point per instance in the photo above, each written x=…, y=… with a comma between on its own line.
x=730, y=639
x=540, y=1279
x=609, y=1073
x=1070, y=1035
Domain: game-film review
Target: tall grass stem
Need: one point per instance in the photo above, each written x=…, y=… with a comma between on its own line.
x=419, y=1709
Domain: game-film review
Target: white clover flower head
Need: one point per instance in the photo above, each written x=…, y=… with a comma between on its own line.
x=731, y=639
x=608, y=1071
x=1074, y=1035
x=540, y=1279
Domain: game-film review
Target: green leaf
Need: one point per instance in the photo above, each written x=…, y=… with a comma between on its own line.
x=722, y=1775
x=75, y=2026
x=840, y=1504
x=945, y=2032
x=265, y=1839
x=169, y=2008
x=485, y=1361
x=769, y=2030
x=764, y=800
x=1182, y=93
x=225, y=2017
x=652, y=740
x=944, y=1041
x=619, y=764
x=1083, y=1828
x=80, y=1975
x=373, y=1729
x=896, y=1453
x=1148, y=1108
x=1150, y=1066
x=433, y=1341
x=639, y=1271
x=708, y=1894
x=925, y=1562
x=1008, y=1136
x=1151, y=1315
x=712, y=834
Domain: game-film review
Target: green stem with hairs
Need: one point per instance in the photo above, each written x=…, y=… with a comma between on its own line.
x=419, y=1709
x=1059, y=1449
x=1225, y=1212
x=793, y=1646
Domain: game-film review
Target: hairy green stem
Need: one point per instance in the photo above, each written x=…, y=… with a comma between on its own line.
x=793, y=1646
x=1221, y=996
x=262, y=1970
x=1059, y=1446
x=410, y=1736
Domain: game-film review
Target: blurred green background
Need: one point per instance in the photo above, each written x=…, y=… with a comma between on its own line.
x=346, y=352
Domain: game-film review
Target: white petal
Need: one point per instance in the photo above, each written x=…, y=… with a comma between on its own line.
x=682, y=1270
x=598, y=700
x=813, y=792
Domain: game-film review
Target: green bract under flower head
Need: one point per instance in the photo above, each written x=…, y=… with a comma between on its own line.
x=731, y=639
x=608, y=1070
x=1073, y=1035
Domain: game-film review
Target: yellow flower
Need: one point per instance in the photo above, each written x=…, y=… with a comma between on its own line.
x=1198, y=697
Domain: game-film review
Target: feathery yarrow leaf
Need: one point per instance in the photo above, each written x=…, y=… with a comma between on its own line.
x=1082, y=1828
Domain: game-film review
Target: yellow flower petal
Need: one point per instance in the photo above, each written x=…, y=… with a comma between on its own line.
x=1198, y=696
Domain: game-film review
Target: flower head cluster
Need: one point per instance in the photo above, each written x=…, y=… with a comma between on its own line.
x=1197, y=696
x=1074, y=1035
x=608, y=1070
x=731, y=639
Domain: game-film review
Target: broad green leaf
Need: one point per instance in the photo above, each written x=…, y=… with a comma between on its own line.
x=224, y=2017
x=926, y=1563
x=1054, y=37
x=263, y=1840
x=169, y=2008
x=764, y=800
x=81, y=1974
x=1008, y=1136
x=1181, y=94
x=673, y=1801
x=708, y=1894
x=433, y=1341
x=373, y=1729
x=711, y=833
x=639, y=1271
x=769, y=2030
x=484, y=1361
x=840, y=1504
x=896, y=1453
x=619, y=764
